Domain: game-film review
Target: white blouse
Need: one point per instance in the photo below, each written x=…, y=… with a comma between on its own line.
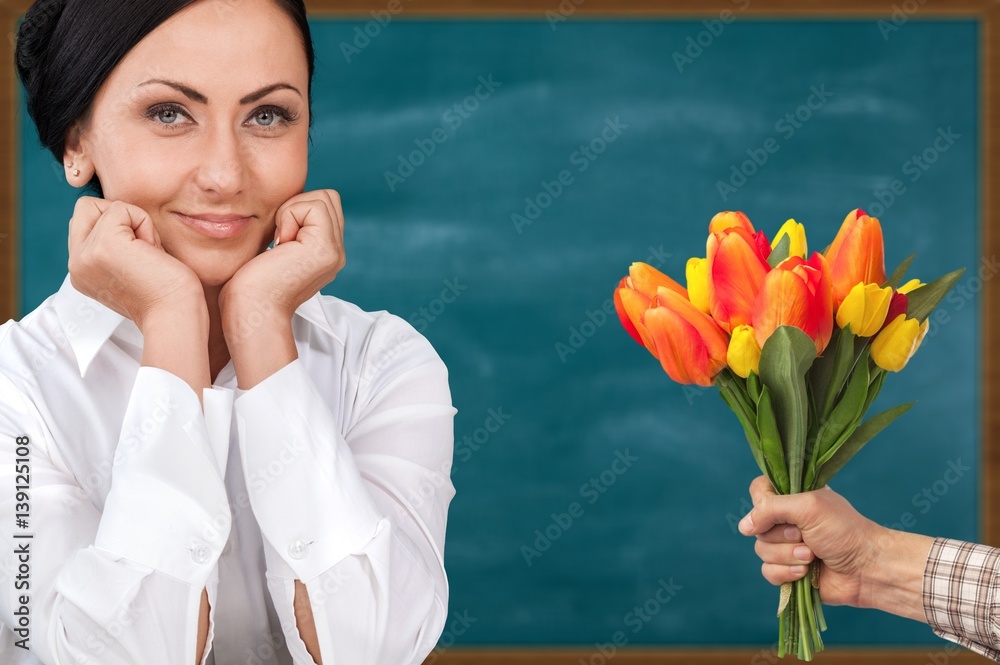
x=121, y=497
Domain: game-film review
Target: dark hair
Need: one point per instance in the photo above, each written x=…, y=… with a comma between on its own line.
x=66, y=49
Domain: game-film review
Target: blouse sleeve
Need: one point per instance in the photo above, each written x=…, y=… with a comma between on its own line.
x=960, y=593
x=121, y=584
x=358, y=517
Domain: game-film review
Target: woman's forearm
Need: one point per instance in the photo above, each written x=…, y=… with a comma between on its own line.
x=893, y=581
x=175, y=339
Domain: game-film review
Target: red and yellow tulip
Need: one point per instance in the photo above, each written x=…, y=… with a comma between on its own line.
x=796, y=293
x=736, y=266
x=633, y=295
x=856, y=255
x=689, y=344
x=728, y=220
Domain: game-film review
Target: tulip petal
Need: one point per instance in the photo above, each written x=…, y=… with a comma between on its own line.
x=646, y=279
x=696, y=273
x=735, y=273
x=728, y=220
x=623, y=315
x=784, y=299
x=682, y=352
x=634, y=305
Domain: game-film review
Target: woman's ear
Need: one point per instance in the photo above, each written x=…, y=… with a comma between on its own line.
x=79, y=168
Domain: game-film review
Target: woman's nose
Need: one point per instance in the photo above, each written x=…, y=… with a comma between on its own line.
x=222, y=165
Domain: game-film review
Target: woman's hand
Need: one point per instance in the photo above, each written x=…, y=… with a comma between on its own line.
x=308, y=254
x=793, y=529
x=116, y=258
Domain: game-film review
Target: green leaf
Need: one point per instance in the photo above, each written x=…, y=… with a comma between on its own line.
x=857, y=440
x=843, y=361
x=786, y=357
x=845, y=415
x=896, y=278
x=770, y=442
x=921, y=302
x=780, y=251
x=874, y=387
x=749, y=429
x=753, y=386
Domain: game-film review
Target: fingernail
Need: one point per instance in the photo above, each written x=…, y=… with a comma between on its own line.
x=791, y=533
x=801, y=553
x=746, y=524
x=798, y=570
x=276, y=241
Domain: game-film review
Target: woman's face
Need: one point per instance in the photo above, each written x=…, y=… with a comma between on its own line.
x=216, y=141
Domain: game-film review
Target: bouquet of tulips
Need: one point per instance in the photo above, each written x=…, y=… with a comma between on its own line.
x=757, y=319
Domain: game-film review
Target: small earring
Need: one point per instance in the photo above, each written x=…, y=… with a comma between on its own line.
x=76, y=172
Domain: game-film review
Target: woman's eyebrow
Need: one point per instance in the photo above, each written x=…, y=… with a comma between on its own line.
x=196, y=96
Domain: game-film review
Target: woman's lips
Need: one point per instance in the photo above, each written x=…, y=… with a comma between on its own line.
x=217, y=226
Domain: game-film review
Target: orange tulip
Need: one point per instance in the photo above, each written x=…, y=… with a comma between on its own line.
x=728, y=220
x=796, y=293
x=737, y=263
x=856, y=255
x=633, y=295
x=688, y=343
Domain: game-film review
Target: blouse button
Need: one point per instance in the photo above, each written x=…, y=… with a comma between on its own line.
x=200, y=553
x=297, y=549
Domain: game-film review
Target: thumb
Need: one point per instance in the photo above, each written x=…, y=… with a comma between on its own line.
x=771, y=510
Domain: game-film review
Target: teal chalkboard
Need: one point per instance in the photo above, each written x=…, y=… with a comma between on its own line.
x=498, y=178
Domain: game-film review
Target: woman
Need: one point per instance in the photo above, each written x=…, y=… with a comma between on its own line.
x=216, y=462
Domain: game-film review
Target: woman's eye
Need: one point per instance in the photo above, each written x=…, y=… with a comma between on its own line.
x=266, y=117
x=273, y=117
x=165, y=115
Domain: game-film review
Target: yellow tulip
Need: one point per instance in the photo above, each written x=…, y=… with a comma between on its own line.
x=743, y=355
x=910, y=286
x=864, y=309
x=697, y=283
x=898, y=341
x=796, y=233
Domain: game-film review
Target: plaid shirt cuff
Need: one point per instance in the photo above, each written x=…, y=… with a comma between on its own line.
x=960, y=581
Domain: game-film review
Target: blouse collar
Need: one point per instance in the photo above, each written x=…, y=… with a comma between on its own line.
x=88, y=324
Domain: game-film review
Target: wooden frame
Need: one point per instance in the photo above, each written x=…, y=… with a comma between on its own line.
x=985, y=12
